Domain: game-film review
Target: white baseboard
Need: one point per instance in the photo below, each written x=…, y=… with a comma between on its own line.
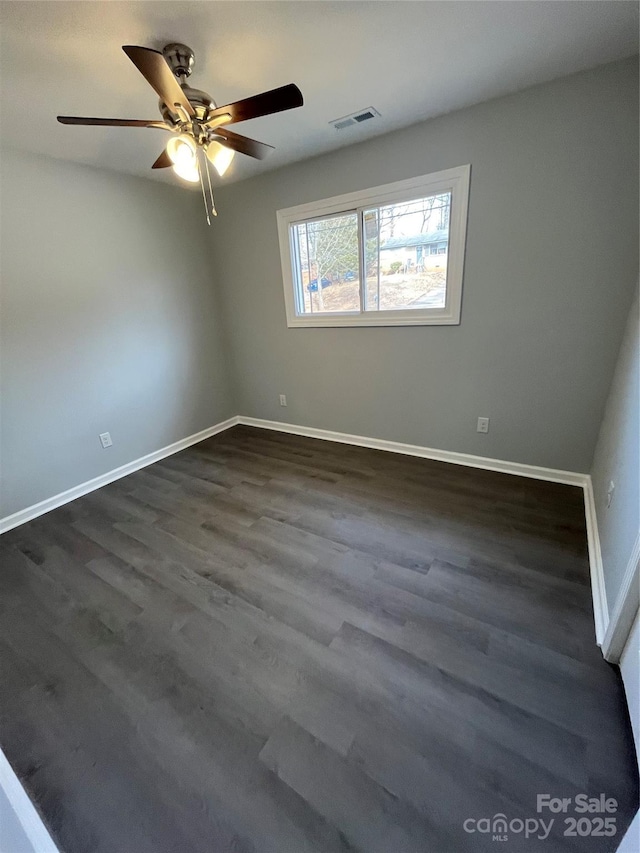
x=624, y=609
x=598, y=590
x=32, y=826
x=31, y=512
x=537, y=473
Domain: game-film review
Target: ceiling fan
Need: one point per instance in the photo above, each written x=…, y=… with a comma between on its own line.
x=200, y=136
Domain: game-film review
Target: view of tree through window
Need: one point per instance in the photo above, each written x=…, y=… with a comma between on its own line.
x=327, y=251
x=404, y=255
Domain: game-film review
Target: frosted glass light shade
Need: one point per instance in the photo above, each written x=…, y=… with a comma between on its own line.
x=187, y=171
x=220, y=156
x=181, y=150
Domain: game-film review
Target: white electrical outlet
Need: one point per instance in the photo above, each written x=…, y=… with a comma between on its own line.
x=610, y=491
x=105, y=439
x=283, y=399
x=483, y=425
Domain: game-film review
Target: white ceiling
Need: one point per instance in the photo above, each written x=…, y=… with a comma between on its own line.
x=410, y=60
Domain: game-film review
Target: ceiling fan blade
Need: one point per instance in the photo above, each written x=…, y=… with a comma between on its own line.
x=153, y=67
x=243, y=144
x=163, y=161
x=114, y=122
x=274, y=101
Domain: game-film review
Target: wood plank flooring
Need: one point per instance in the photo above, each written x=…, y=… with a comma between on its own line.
x=273, y=644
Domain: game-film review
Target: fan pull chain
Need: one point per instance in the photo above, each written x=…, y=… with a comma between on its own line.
x=204, y=197
x=209, y=204
x=213, y=204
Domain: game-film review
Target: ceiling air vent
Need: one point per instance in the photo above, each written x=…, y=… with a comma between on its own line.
x=355, y=118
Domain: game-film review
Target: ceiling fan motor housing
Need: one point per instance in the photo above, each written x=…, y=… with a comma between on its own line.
x=202, y=102
x=180, y=59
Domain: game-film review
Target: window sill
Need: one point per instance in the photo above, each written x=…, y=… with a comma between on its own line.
x=383, y=318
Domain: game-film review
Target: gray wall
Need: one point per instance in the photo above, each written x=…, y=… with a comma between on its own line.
x=551, y=262
x=109, y=323
x=617, y=458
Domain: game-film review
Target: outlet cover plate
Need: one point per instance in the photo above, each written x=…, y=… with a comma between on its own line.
x=105, y=439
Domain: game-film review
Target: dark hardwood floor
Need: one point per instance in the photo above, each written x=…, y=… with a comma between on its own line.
x=276, y=644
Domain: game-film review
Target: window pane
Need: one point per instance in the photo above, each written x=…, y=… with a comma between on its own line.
x=406, y=247
x=325, y=255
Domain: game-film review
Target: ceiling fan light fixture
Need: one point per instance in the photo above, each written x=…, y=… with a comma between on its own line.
x=219, y=156
x=181, y=150
x=187, y=171
x=199, y=136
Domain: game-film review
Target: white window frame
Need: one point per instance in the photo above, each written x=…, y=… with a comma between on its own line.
x=455, y=181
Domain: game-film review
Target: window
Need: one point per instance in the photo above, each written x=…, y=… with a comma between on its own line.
x=392, y=255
